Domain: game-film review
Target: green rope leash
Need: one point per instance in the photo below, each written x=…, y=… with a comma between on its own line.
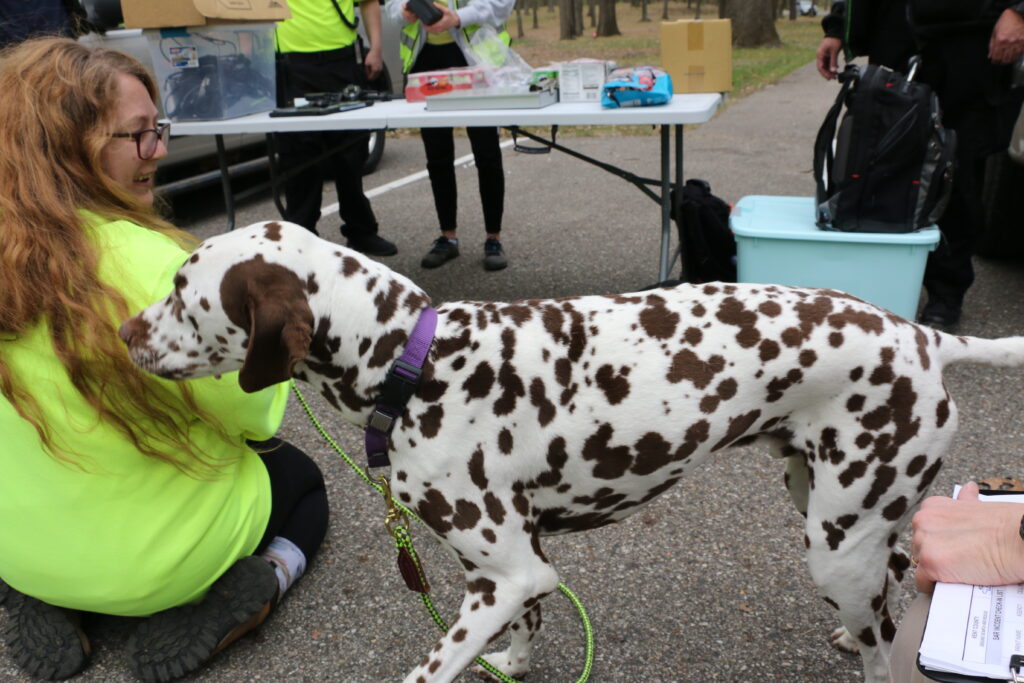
x=403, y=542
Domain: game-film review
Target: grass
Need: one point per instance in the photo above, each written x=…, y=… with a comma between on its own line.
x=639, y=43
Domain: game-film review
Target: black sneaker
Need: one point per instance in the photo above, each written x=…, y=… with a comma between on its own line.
x=494, y=255
x=45, y=640
x=940, y=314
x=176, y=642
x=443, y=251
x=372, y=245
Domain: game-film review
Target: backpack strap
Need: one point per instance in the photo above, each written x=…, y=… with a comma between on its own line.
x=824, y=155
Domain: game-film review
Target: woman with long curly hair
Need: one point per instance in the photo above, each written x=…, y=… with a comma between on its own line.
x=120, y=493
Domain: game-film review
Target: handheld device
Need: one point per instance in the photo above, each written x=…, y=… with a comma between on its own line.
x=312, y=110
x=426, y=11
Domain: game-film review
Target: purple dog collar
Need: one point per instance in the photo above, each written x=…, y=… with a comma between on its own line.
x=398, y=387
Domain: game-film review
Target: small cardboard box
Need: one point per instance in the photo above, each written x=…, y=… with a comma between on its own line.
x=697, y=54
x=581, y=79
x=166, y=13
x=209, y=73
x=423, y=84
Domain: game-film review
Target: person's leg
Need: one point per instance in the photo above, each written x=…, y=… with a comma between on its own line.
x=179, y=640
x=302, y=191
x=903, y=655
x=439, y=149
x=299, y=511
x=491, y=178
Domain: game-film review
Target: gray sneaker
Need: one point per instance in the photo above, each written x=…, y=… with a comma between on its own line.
x=494, y=255
x=443, y=251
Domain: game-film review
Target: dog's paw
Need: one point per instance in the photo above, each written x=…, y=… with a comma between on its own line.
x=503, y=663
x=844, y=641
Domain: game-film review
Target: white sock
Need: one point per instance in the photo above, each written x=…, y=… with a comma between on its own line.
x=289, y=562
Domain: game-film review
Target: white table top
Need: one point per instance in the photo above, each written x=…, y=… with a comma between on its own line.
x=681, y=109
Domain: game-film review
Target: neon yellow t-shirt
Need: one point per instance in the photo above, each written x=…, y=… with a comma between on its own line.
x=316, y=27
x=123, y=533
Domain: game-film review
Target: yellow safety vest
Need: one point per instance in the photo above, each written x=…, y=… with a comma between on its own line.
x=413, y=36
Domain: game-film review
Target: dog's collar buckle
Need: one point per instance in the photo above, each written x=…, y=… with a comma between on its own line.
x=400, y=383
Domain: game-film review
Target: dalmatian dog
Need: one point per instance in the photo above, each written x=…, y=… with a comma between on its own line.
x=556, y=415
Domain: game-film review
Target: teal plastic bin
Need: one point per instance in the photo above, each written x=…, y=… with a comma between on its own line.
x=778, y=242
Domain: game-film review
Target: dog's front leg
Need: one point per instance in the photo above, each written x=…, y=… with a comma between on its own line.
x=515, y=661
x=493, y=603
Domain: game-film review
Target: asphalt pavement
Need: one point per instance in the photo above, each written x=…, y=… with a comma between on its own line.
x=708, y=583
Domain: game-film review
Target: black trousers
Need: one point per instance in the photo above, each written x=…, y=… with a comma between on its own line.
x=978, y=103
x=299, y=509
x=300, y=73
x=439, y=146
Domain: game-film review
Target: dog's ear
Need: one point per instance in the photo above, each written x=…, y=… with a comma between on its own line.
x=280, y=330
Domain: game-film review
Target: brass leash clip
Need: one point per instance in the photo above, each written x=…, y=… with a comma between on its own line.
x=395, y=515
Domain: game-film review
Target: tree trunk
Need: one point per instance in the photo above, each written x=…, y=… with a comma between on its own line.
x=577, y=6
x=643, y=11
x=753, y=23
x=566, y=20
x=519, y=21
x=592, y=12
x=536, y=20
x=697, y=13
x=664, y=11
x=606, y=23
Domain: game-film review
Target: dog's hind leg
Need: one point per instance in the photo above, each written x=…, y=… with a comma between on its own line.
x=797, y=480
x=497, y=598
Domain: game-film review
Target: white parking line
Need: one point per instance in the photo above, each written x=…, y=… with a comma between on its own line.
x=395, y=184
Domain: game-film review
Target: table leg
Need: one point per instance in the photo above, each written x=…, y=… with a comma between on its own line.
x=666, y=204
x=225, y=181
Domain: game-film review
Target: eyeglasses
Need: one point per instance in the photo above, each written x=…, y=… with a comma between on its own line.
x=147, y=140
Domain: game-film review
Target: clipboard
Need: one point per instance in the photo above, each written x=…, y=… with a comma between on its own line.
x=1015, y=669
x=1016, y=665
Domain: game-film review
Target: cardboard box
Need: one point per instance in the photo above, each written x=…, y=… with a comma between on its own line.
x=421, y=85
x=208, y=73
x=581, y=79
x=166, y=13
x=697, y=54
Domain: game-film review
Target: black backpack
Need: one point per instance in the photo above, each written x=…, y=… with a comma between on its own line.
x=706, y=241
x=891, y=168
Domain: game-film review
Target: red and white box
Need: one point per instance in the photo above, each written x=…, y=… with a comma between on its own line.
x=422, y=85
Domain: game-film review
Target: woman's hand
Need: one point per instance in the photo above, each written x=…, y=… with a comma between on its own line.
x=967, y=541
x=373, y=62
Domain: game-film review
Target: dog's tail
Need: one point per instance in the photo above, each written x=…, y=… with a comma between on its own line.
x=1004, y=352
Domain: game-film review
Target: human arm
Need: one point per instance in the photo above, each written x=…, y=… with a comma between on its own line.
x=827, y=57
x=485, y=12
x=374, y=60
x=1007, y=42
x=967, y=541
x=398, y=10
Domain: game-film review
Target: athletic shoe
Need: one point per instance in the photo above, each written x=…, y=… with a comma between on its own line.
x=443, y=251
x=178, y=641
x=46, y=641
x=372, y=245
x=494, y=255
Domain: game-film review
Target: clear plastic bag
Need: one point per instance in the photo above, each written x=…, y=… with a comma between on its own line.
x=504, y=65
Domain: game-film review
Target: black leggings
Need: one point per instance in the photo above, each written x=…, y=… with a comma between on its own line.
x=298, y=509
x=439, y=145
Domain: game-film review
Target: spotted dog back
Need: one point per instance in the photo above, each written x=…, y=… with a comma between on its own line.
x=548, y=416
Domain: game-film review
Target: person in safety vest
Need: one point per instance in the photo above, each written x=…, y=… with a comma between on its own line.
x=440, y=46
x=319, y=50
x=121, y=493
